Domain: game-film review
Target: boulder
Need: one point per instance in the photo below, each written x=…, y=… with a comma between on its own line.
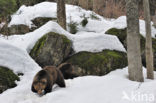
x=7, y=79
x=122, y=34
x=15, y=29
x=38, y=22
x=19, y=29
x=87, y=63
x=51, y=49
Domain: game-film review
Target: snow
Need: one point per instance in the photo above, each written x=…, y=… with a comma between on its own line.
x=87, y=89
x=26, y=14
x=46, y=9
x=89, y=41
x=111, y=88
x=15, y=58
x=93, y=42
x=89, y=38
x=27, y=41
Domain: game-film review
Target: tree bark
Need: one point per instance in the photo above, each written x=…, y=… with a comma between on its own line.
x=154, y=20
x=149, y=52
x=61, y=13
x=133, y=42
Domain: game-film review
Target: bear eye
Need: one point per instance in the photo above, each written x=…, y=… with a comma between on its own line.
x=43, y=82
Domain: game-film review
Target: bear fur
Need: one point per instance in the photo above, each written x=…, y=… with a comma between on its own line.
x=67, y=70
x=46, y=78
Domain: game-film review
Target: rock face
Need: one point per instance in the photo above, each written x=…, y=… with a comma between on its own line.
x=87, y=63
x=122, y=33
x=7, y=79
x=15, y=29
x=51, y=49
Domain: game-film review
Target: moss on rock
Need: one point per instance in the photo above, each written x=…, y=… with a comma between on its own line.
x=122, y=34
x=7, y=79
x=98, y=63
x=51, y=49
x=36, y=49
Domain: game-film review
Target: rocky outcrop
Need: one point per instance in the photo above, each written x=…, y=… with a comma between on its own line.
x=51, y=49
x=122, y=33
x=7, y=79
x=87, y=63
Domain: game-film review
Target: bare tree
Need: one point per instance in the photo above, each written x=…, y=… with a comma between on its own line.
x=149, y=52
x=61, y=13
x=133, y=41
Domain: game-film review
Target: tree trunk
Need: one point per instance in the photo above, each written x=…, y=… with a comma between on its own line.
x=133, y=42
x=154, y=20
x=149, y=52
x=61, y=13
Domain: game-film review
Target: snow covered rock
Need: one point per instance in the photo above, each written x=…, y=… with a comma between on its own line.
x=101, y=63
x=51, y=49
x=39, y=21
x=7, y=79
x=121, y=34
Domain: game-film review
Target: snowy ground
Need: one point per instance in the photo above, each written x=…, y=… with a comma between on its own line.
x=112, y=88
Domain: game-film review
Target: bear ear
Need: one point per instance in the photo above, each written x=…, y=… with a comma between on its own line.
x=33, y=89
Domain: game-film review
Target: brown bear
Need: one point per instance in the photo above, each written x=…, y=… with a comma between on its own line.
x=67, y=70
x=46, y=78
